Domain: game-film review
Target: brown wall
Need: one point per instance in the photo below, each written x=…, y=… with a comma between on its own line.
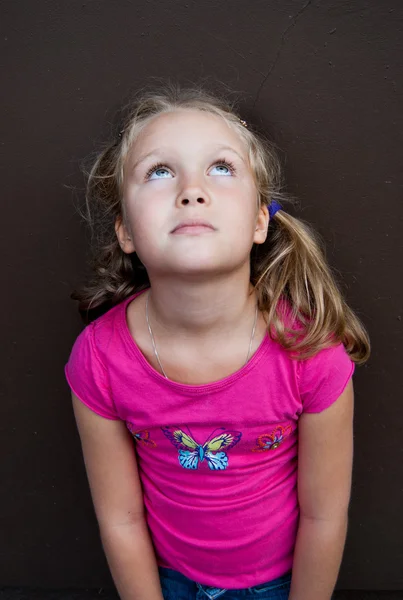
x=324, y=78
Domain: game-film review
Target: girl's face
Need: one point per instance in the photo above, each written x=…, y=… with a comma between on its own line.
x=190, y=197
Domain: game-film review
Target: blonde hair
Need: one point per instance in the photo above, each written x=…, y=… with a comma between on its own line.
x=289, y=270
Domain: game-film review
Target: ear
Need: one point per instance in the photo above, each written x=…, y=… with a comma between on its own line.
x=124, y=237
x=262, y=224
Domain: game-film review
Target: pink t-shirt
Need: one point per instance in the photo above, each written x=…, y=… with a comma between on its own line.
x=218, y=462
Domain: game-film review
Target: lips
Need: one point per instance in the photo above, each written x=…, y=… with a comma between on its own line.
x=193, y=225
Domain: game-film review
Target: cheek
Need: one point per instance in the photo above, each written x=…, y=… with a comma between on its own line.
x=245, y=214
x=244, y=203
x=142, y=210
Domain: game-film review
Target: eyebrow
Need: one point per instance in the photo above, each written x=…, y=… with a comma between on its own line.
x=231, y=150
x=142, y=159
x=145, y=156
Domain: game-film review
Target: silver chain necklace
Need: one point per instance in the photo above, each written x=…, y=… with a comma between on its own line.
x=155, y=347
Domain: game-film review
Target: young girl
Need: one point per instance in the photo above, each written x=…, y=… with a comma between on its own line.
x=223, y=347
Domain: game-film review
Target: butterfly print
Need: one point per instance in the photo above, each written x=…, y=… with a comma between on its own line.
x=271, y=441
x=141, y=436
x=191, y=453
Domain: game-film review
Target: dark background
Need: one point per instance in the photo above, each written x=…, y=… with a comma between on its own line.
x=324, y=80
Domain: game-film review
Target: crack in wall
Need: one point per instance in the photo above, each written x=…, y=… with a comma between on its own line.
x=279, y=49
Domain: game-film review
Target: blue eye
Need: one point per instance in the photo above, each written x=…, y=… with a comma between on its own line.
x=223, y=167
x=158, y=173
x=222, y=170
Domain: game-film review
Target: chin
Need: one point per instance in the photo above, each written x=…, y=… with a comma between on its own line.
x=198, y=263
x=208, y=268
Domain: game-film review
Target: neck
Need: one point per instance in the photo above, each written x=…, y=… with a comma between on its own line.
x=201, y=308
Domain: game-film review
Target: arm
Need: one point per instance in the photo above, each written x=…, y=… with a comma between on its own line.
x=117, y=495
x=324, y=483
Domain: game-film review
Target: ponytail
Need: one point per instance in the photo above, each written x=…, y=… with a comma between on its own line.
x=296, y=289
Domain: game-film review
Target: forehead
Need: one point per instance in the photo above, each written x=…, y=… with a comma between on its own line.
x=188, y=127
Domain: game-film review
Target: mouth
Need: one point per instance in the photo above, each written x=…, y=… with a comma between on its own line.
x=193, y=226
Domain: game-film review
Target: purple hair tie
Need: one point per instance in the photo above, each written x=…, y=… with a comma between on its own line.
x=273, y=208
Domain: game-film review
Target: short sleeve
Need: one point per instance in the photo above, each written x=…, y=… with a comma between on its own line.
x=323, y=378
x=87, y=376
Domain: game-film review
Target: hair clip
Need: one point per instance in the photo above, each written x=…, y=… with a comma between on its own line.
x=120, y=134
x=244, y=123
x=273, y=208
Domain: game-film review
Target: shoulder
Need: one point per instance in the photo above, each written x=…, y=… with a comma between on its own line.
x=106, y=330
x=323, y=377
x=87, y=368
x=92, y=346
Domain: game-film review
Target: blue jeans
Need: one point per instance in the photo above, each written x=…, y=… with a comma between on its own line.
x=176, y=586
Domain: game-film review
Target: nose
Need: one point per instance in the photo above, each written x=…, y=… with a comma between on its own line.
x=192, y=199
x=192, y=194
